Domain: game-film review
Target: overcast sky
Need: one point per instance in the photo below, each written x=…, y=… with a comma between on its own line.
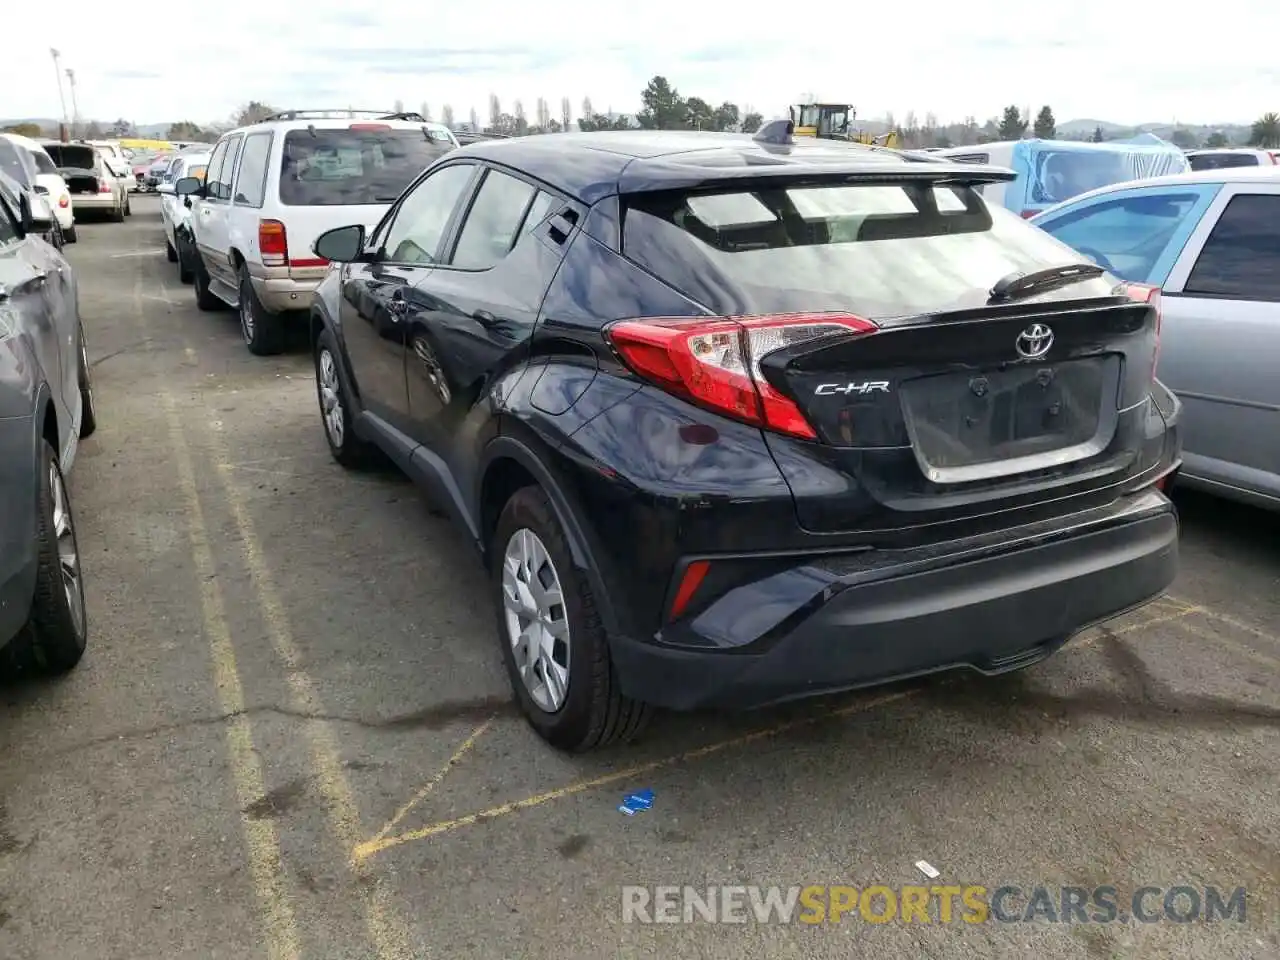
x=1116, y=60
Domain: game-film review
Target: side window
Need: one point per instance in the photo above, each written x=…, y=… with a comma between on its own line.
x=1239, y=258
x=220, y=189
x=11, y=162
x=1126, y=235
x=493, y=222
x=418, y=229
x=538, y=211
x=251, y=180
x=215, y=165
x=8, y=225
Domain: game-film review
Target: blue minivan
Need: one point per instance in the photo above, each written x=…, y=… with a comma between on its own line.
x=1052, y=171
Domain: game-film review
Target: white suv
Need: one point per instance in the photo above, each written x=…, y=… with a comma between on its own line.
x=272, y=188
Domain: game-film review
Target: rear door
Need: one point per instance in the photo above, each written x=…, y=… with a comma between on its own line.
x=332, y=176
x=955, y=406
x=1221, y=339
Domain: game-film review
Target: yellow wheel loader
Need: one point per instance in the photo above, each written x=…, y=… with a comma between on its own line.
x=832, y=121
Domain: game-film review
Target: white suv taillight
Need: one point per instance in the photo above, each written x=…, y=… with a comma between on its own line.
x=273, y=243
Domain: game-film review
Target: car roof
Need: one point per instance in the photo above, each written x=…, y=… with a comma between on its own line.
x=335, y=123
x=1217, y=177
x=24, y=141
x=589, y=166
x=1204, y=150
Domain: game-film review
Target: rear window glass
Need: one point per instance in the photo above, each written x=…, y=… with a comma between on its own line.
x=1059, y=175
x=876, y=250
x=1221, y=161
x=342, y=167
x=71, y=155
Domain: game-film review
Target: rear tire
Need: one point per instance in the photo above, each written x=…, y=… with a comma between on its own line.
x=128, y=210
x=263, y=331
x=69, y=234
x=54, y=637
x=185, y=255
x=593, y=711
x=205, y=300
x=117, y=214
x=170, y=253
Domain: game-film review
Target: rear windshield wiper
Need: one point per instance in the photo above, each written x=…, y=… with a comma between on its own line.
x=1017, y=285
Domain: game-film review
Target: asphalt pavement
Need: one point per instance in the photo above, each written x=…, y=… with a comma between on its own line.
x=291, y=736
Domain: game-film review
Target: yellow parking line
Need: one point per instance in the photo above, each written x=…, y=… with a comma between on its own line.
x=1257, y=656
x=1240, y=625
x=389, y=935
x=384, y=841
x=371, y=847
x=431, y=784
x=262, y=842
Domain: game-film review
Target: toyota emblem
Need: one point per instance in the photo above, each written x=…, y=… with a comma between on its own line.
x=1034, y=342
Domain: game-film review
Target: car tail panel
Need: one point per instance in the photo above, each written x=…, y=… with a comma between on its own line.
x=912, y=394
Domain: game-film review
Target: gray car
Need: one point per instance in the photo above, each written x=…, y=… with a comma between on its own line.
x=1210, y=240
x=46, y=408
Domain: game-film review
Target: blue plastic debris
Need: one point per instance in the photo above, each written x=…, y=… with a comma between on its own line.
x=634, y=803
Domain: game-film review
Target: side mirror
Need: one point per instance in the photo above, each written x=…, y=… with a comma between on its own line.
x=39, y=218
x=189, y=187
x=341, y=244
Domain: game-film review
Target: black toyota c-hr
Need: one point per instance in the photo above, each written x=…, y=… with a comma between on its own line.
x=735, y=420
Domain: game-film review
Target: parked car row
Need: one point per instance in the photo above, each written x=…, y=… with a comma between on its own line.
x=70, y=178
x=708, y=406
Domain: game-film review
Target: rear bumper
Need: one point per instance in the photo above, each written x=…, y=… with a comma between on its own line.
x=281, y=288
x=93, y=201
x=988, y=604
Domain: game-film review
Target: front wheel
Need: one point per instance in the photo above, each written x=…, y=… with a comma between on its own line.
x=335, y=407
x=54, y=638
x=553, y=642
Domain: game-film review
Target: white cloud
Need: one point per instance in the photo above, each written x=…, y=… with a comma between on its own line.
x=1118, y=60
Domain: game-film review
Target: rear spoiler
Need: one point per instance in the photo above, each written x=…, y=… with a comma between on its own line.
x=669, y=173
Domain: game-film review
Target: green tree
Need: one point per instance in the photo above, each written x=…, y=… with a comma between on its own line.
x=446, y=115
x=699, y=114
x=1183, y=139
x=25, y=130
x=255, y=111
x=93, y=131
x=727, y=116
x=122, y=128
x=1012, y=125
x=1046, y=127
x=664, y=108
x=184, y=130
x=1097, y=135
x=1265, y=131
x=752, y=122
x=1216, y=140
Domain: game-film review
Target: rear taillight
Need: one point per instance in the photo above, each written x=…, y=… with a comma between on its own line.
x=1144, y=293
x=273, y=243
x=64, y=201
x=715, y=361
x=1028, y=214
x=104, y=186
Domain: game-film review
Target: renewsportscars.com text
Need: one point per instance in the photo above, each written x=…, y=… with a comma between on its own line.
x=973, y=904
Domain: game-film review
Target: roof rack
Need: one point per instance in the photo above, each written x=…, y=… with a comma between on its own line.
x=342, y=113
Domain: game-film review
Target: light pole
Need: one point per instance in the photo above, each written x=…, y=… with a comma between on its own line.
x=75, y=107
x=57, y=70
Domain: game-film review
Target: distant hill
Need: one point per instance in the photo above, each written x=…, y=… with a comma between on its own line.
x=145, y=131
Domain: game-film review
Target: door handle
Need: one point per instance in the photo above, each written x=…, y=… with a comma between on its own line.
x=39, y=277
x=484, y=318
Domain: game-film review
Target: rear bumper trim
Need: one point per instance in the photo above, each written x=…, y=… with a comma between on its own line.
x=987, y=611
